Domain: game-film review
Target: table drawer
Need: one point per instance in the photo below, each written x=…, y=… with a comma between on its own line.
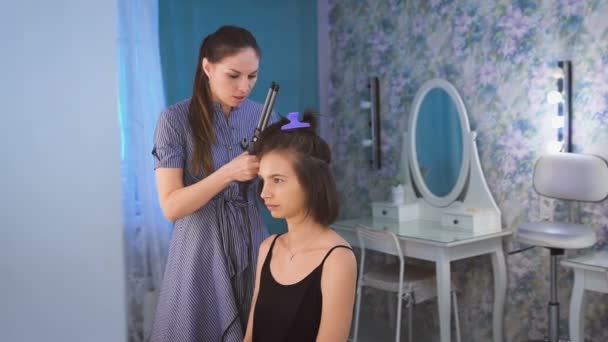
x=460, y=221
x=398, y=212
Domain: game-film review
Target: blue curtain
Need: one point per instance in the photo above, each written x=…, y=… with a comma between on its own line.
x=140, y=100
x=285, y=30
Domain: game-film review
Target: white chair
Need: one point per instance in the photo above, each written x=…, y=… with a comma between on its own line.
x=565, y=176
x=413, y=285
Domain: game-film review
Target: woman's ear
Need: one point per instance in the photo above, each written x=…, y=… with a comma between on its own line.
x=207, y=66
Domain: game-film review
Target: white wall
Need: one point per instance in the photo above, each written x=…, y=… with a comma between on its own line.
x=61, y=240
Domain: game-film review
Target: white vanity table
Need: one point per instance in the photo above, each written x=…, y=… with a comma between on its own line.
x=449, y=213
x=428, y=240
x=590, y=274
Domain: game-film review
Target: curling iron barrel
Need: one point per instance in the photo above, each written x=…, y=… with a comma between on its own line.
x=263, y=122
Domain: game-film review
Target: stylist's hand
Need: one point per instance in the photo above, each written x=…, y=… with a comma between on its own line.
x=242, y=168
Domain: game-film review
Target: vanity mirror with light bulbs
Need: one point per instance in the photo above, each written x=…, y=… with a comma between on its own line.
x=440, y=166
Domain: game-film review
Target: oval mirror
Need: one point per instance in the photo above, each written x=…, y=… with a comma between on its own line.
x=439, y=143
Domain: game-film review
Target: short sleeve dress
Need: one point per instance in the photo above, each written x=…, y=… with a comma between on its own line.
x=209, y=277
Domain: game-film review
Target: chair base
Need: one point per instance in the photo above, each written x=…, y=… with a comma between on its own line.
x=553, y=305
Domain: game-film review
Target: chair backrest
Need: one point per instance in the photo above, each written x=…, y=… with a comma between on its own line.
x=572, y=176
x=379, y=240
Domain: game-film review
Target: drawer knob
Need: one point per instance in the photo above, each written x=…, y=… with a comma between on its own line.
x=455, y=221
x=383, y=212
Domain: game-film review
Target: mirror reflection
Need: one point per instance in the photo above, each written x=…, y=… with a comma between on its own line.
x=439, y=142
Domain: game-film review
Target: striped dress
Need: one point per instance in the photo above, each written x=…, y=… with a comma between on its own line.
x=209, y=278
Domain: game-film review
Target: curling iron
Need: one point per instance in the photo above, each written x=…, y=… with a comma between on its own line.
x=247, y=145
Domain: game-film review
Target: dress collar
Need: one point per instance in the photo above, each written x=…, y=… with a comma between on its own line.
x=217, y=107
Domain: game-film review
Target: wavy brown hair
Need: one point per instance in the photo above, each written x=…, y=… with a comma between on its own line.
x=225, y=42
x=311, y=159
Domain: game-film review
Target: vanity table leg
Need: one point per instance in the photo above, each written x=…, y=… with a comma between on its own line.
x=577, y=316
x=443, y=297
x=500, y=289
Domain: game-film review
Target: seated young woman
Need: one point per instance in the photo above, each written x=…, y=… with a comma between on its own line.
x=306, y=278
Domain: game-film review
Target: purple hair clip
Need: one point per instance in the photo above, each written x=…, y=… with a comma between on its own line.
x=294, y=122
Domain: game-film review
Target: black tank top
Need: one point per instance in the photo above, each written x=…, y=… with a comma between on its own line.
x=288, y=312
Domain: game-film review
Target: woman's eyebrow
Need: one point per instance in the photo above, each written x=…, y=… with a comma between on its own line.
x=238, y=72
x=275, y=175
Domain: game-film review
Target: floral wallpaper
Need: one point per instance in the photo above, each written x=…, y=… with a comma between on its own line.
x=499, y=55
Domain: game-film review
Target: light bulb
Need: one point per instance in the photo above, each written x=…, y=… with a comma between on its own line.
x=365, y=104
x=556, y=72
x=558, y=121
x=553, y=146
x=554, y=97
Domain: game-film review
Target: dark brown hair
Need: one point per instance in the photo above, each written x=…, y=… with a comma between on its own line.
x=225, y=42
x=311, y=158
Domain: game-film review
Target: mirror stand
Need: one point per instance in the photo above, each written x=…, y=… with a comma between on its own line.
x=477, y=209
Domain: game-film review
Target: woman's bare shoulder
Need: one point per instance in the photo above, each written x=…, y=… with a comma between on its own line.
x=339, y=257
x=265, y=246
x=335, y=239
x=341, y=263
